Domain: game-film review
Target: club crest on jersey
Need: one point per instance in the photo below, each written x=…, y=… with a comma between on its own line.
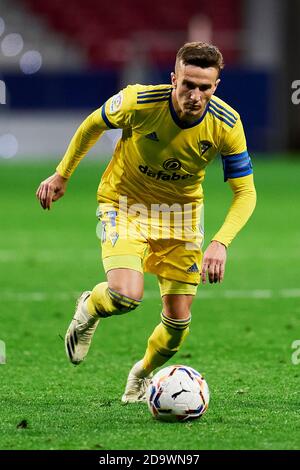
x=205, y=145
x=172, y=164
x=116, y=102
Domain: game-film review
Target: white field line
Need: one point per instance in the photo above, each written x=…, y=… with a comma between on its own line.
x=203, y=293
x=43, y=256
x=48, y=256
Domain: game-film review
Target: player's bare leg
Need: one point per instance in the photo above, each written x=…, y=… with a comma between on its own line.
x=164, y=342
x=120, y=294
x=177, y=306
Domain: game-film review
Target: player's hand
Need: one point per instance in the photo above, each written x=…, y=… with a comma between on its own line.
x=214, y=260
x=51, y=190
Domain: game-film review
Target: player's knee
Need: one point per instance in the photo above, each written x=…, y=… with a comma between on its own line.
x=177, y=306
x=177, y=313
x=122, y=302
x=132, y=288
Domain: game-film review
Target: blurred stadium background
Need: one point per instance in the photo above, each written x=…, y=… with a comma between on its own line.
x=59, y=61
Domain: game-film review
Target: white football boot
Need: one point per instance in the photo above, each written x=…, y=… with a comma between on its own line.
x=137, y=384
x=80, y=332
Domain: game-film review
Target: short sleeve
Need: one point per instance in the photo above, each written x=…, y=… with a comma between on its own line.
x=118, y=111
x=235, y=158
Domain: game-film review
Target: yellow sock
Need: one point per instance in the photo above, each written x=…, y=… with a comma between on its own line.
x=164, y=342
x=105, y=302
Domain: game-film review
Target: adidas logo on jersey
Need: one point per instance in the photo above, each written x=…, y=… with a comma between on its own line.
x=193, y=269
x=152, y=136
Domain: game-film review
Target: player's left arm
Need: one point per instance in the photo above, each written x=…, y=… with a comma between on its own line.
x=238, y=172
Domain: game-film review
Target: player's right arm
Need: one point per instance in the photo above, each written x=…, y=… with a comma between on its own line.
x=53, y=188
x=115, y=113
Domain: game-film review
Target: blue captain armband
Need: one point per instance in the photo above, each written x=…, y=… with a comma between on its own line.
x=235, y=166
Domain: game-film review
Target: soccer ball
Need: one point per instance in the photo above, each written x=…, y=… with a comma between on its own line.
x=177, y=393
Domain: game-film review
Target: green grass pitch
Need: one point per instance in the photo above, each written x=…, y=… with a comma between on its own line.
x=241, y=333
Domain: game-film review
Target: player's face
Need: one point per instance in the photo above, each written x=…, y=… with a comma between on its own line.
x=193, y=88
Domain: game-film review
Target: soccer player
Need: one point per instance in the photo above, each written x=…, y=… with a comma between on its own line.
x=170, y=134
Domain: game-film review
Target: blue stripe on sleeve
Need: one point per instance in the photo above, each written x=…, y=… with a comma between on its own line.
x=161, y=90
x=153, y=95
x=222, y=113
x=141, y=101
x=105, y=118
x=236, y=166
x=223, y=109
x=222, y=118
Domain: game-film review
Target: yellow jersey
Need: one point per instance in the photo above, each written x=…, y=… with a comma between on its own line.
x=159, y=158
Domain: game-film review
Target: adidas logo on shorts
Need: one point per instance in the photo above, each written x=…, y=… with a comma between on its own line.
x=152, y=136
x=193, y=269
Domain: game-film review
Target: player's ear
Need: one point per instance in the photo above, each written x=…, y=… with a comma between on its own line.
x=173, y=79
x=217, y=83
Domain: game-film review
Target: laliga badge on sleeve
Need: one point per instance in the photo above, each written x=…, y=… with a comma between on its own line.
x=116, y=102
